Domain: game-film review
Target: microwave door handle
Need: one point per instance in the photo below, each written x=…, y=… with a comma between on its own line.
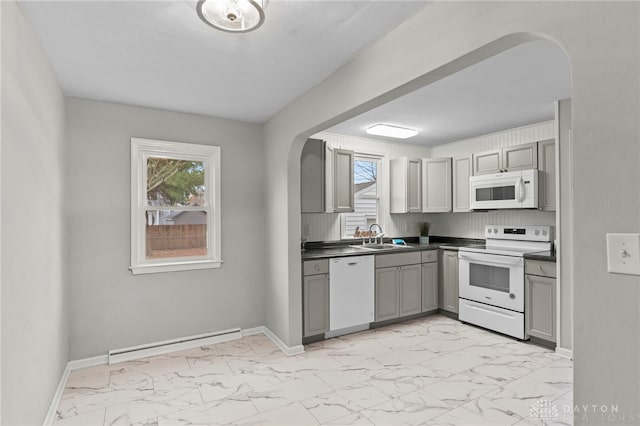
x=520, y=190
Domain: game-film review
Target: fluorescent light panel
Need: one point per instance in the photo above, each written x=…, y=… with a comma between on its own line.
x=391, y=131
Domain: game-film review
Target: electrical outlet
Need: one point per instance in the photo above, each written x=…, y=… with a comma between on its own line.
x=623, y=253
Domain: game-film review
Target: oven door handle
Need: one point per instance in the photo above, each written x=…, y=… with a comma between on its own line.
x=493, y=259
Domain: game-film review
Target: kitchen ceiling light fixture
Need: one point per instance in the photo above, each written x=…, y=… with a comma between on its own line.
x=391, y=131
x=234, y=16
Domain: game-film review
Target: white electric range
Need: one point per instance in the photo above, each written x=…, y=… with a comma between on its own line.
x=491, y=277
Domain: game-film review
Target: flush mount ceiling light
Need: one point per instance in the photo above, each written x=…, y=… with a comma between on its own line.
x=391, y=131
x=234, y=16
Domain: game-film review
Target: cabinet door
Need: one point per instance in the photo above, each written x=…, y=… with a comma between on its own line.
x=462, y=171
x=487, y=162
x=329, y=186
x=387, y=294
x=316, y=304
x=547, y=167
x=414, y=195
x=410, y=289
x=429, y=286
x=312, y=176
x=343, y=176
x=520, y=157
x=540, y=310
x=450, y=281
x=436, y=185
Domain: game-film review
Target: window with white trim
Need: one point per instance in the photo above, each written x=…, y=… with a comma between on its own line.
x=366, y=169
x=175, y=206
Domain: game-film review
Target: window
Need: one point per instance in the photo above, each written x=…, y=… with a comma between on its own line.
x=366, y=198
x=175, y=206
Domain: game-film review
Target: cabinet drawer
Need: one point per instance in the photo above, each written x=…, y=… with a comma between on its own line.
x=315, y=267
x=429, y=256
x=398, y=259
x=540, y=267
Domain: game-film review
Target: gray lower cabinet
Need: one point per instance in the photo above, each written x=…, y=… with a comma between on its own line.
x=540, y=300
x=429, y=286
x=398, y=285
x=410, y=278
x=449, y=279
x=315, y=294
x=387, y=294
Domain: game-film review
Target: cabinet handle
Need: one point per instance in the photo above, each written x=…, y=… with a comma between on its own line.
x=317, y=267
x=539, y=268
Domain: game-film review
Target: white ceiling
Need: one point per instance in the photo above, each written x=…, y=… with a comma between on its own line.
x=159, y=54
x=512, y=89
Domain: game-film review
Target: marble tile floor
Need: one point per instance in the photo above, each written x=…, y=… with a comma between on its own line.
x=429, y=371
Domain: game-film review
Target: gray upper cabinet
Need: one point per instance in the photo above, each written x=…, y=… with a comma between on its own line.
x=540, y=299
x=405, y=185
x=519, y=157
x=462, y=171
x=547, y=167
x=449, y=280
x=487, y=162
x=436, y=185
x=343, y=181
x=326, y=178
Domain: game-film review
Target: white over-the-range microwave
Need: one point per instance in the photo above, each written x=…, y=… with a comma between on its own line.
x=509, y=190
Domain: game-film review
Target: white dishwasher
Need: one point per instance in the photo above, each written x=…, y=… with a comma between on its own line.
x=351, y=294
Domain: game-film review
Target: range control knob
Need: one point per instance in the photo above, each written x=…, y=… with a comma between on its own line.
x=495, y=231
x=537, y=232
x=544, y=232
x=489, y=231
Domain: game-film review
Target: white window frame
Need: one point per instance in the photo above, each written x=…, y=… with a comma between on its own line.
x=343, y=216
x=141, y=150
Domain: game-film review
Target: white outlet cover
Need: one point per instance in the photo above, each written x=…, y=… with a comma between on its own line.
x=623, y=254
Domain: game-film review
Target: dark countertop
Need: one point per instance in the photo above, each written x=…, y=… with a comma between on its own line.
x=332, y=249
x=548, y=256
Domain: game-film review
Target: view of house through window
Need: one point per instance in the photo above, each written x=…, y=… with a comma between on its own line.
x=356, y=224
x=175, y=206
x=172, y=230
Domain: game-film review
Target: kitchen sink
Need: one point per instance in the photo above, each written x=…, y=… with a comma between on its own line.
x=378, y=246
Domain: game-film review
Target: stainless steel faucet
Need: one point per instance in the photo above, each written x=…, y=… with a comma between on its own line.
x=381, y=234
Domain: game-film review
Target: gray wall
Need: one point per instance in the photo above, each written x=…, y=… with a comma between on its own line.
x=601, y=40
x=111, y=308
x=35, y=327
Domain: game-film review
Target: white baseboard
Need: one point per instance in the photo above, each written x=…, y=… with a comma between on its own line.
x=168, y=346
x=57, y=396
x=565, y=353
x=159, y=349
x=288, y=350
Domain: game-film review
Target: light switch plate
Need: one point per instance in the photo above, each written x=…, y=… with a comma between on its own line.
x=623, y=253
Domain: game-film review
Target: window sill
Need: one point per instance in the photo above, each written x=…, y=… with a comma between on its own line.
x=175, y=266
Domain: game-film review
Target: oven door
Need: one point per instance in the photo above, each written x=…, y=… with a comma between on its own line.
x=492, y=279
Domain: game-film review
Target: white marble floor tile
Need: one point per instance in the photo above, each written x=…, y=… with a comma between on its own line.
x=95, y=417
x=152, y=406
x=212, y=413
x=460, y=389
x=356, y=419
x=479, y=412
x=413, y=408
x=350, y=400
x=288, y=392
x=432, y=370
x=293, y=414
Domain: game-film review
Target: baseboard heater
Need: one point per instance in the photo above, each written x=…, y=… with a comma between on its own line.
x=159, y=348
